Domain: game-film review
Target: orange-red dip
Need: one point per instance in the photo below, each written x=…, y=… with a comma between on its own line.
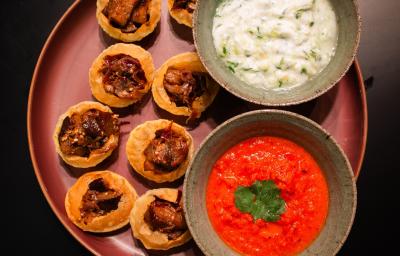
x=302, y=184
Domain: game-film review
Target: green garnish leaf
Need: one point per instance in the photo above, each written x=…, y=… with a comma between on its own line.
x=262, y=200
x=224, y=50
x=248, y=69
x=300, y=12
x=312, y=55
x=311, y=23
x=304, y=70
x=259, y=34
x=232, y=65
x=281, y=64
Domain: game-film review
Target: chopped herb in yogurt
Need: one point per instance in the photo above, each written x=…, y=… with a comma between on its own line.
x=275, y=44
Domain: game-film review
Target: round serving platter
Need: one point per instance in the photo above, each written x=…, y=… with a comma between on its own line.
x=61, y=78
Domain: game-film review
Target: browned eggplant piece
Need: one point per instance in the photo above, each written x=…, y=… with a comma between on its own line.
x=188, y=5
x=98, y=200
x=119, y=11
x=139, y=14
x=166, y=151
x=184, y=86
x=123, y=75
x=80, y=134
x=166, y=217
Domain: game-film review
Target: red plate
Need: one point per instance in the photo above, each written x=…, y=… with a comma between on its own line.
x=61, y=80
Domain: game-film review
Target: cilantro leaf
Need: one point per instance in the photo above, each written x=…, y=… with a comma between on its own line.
x=244, y=198
x=262, y=200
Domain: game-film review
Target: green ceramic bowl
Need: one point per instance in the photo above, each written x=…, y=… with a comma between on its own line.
x=304, y=132
x=349, y=25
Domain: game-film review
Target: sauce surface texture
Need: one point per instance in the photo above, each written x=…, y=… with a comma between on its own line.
x=272, y=44
x=302, y=185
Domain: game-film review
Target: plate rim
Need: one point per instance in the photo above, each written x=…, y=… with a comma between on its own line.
x=38, y=175
x=364, y=104
x=33, y=83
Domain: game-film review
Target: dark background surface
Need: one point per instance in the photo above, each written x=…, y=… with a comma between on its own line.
x=31, y=226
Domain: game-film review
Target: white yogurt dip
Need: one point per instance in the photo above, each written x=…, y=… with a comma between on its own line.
x=275, y=43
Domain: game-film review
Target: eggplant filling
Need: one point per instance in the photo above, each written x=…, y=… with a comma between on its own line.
x=184, y=86
x=166, y=152
x=188, y=5
x=127, y=15
x=123, y=76
x=83, y=133
x=98, y=200
x=166, y=217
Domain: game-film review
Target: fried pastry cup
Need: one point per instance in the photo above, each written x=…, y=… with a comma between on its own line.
x=140, y=138
x=154, y=239
x=114, y=219
x=96, y=78
x=96, y=156
x=140, y=33
x=182, y=16
x=189, y=61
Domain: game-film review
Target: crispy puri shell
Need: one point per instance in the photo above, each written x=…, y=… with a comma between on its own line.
x=139, y=139
x=96, y=156
x=189, y=61
x=111, y=221
x=153, y=239
x=96, y=78
x=140, y=33
x=182, y=16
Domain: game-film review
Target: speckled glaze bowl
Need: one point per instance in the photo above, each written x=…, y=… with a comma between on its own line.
x=349, y=26
x=304, y=132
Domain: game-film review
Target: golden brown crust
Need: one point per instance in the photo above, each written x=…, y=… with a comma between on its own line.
x=182, y=16
x=139, y=139
x=140, y=33
x=95, y=156
x=112, y=220
x=189, y=61
x=153, y=239
x=96, y=79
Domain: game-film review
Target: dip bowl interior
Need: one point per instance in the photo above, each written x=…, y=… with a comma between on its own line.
x=296, y=128
x=348, y=22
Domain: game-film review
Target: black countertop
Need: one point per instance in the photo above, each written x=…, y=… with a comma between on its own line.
x=31, y=226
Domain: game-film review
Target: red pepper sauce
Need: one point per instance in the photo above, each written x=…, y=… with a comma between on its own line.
x=302, y=184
